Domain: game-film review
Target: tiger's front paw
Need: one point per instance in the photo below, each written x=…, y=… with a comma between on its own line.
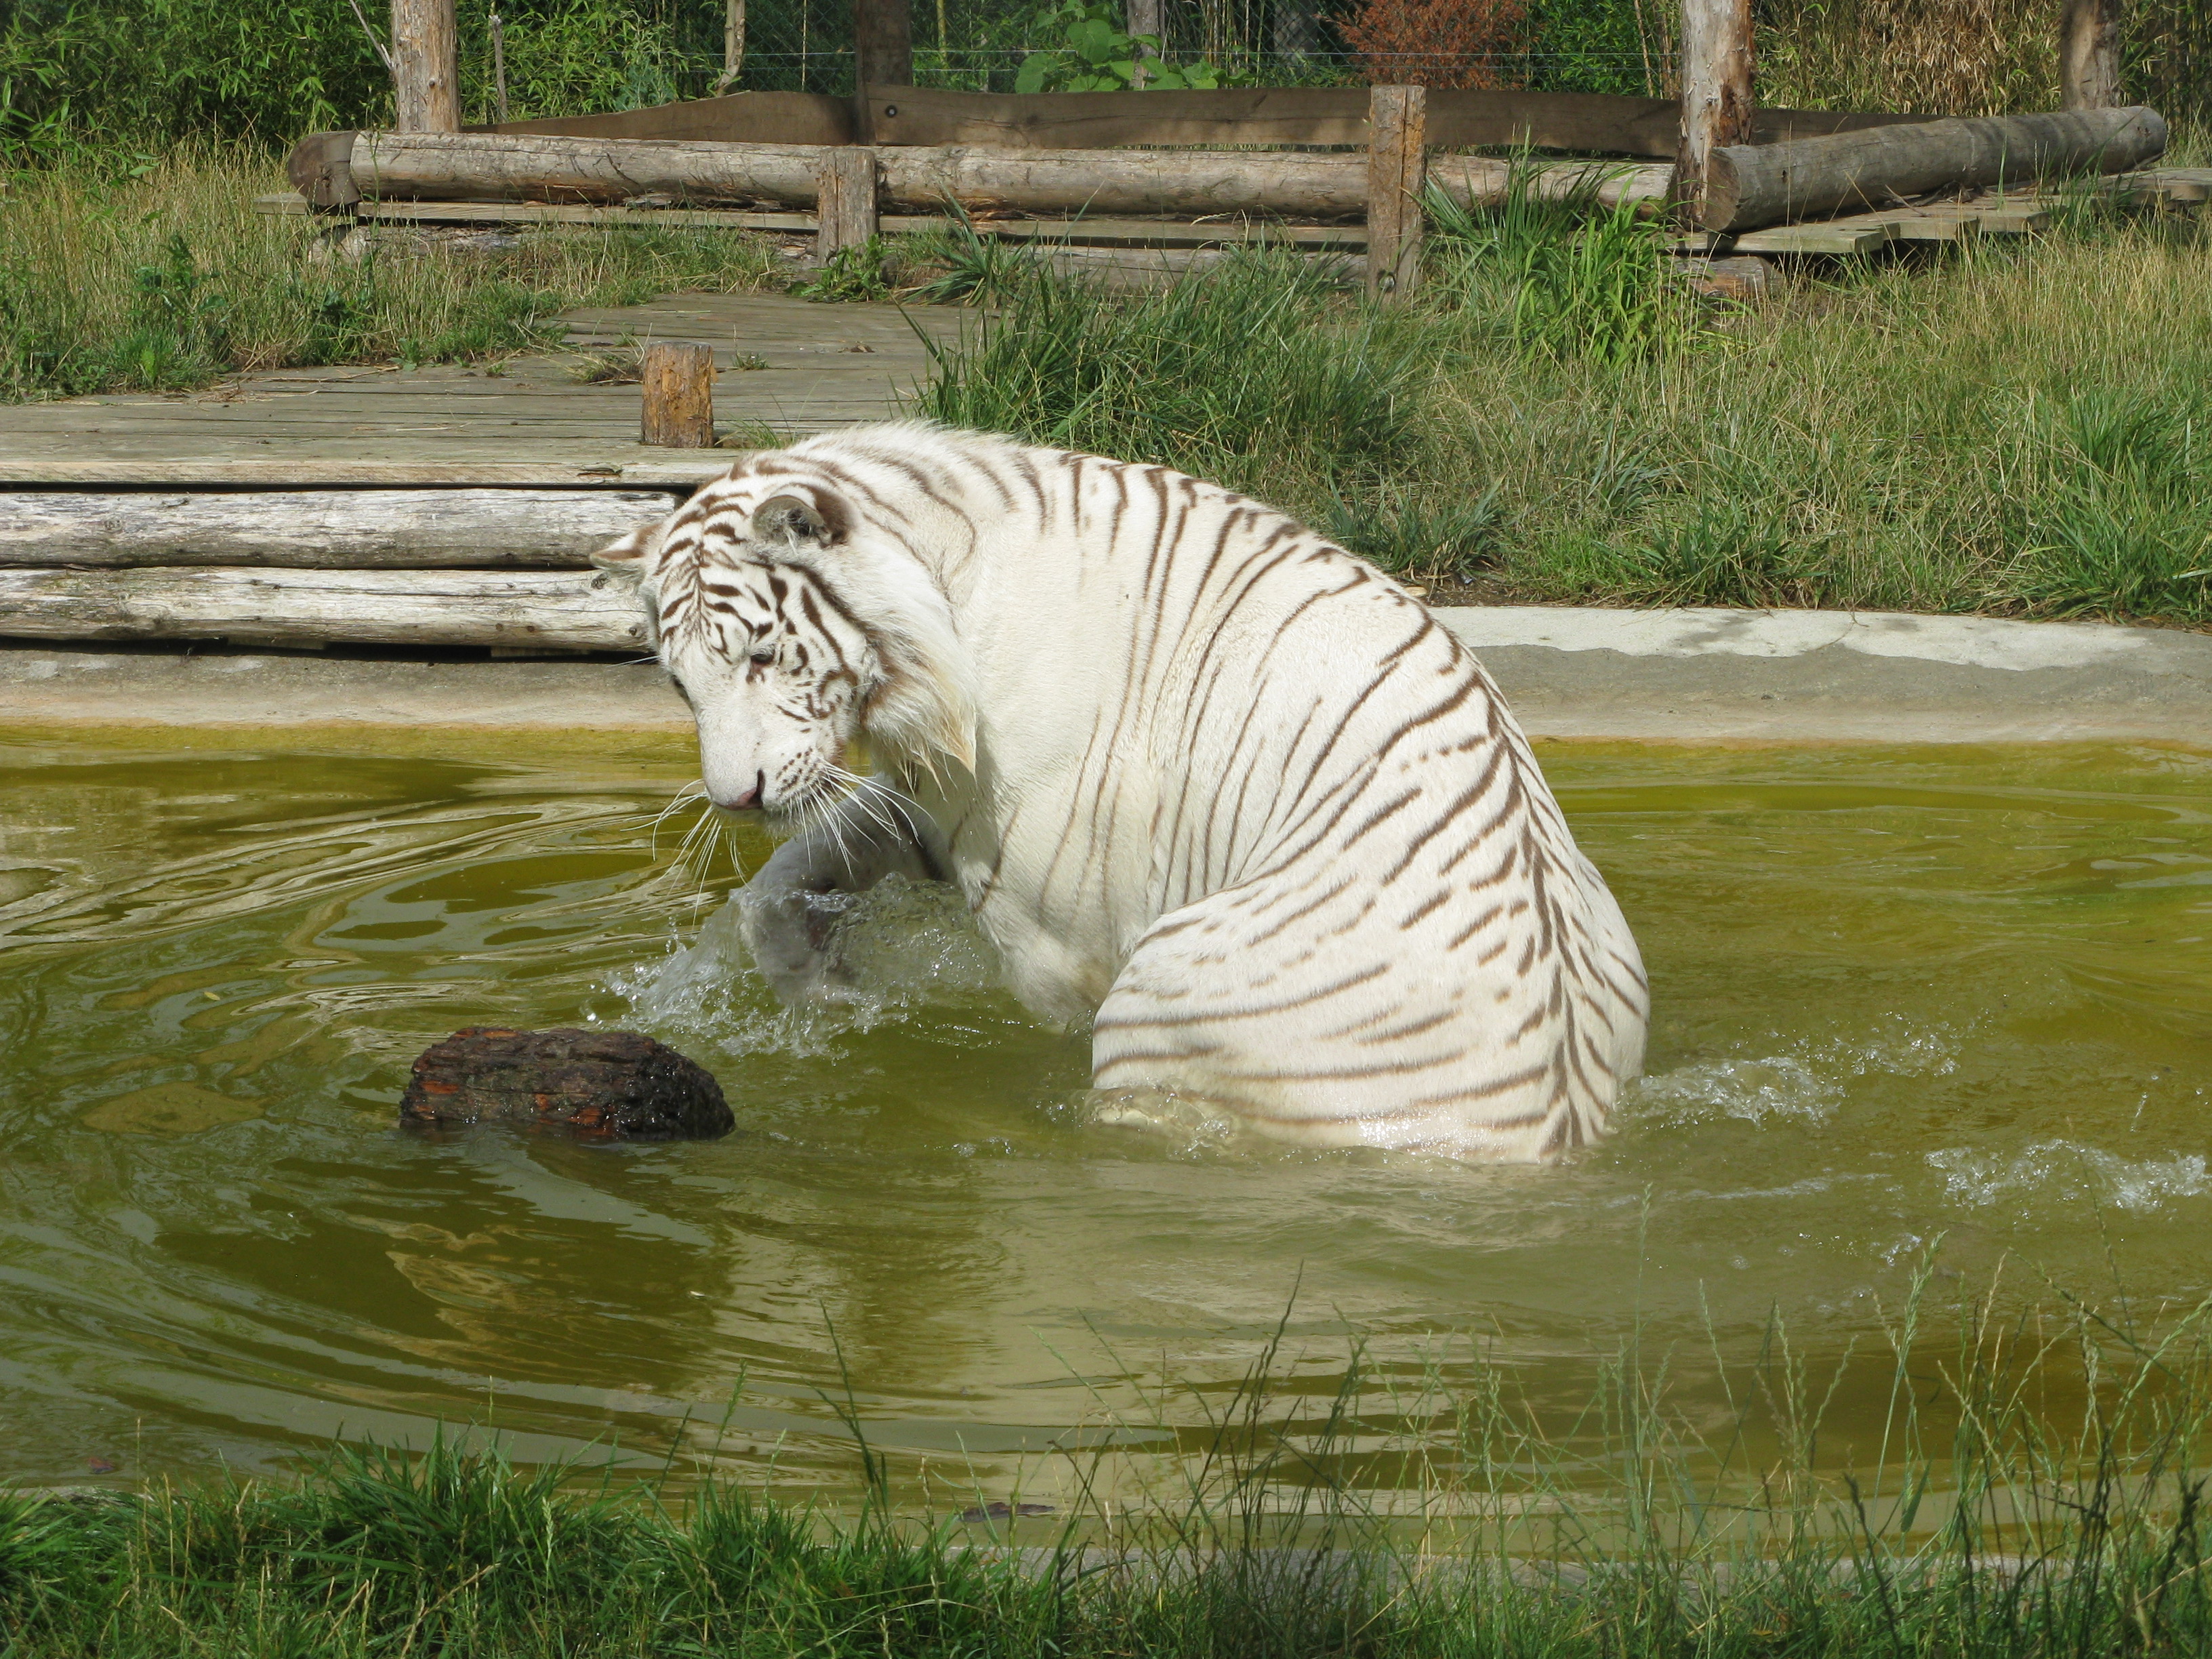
x=791, y=934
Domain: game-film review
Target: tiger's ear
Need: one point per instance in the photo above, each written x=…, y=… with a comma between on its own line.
x=631, y=553
x=788, y=518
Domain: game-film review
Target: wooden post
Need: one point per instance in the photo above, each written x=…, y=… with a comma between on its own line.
x=1145, y=18
x=425, y=67
x=883, y=45
x=2089, y=54
x=680, y=397
x=1397, y=171
x=845, y=212
x=1717, y=105
x=498, y=68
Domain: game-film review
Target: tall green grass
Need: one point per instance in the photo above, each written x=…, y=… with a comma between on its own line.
x=169, y=279
x=2025, y=1485
x=2012, y=428
x=1253, y=374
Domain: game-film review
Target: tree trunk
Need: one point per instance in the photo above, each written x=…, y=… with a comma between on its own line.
x=568, y=609
x=1716, y=104
x=425, y=68
x=2089, y=54
x=734, y=45
x=324, y=529
x=1856, y=172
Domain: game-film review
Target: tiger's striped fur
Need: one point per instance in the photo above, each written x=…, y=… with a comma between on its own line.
x=1200, y=773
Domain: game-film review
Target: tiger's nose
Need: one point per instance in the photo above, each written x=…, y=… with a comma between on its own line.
x=750, y=799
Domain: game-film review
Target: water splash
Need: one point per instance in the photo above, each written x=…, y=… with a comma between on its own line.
x=2070, y=1172
x=900, y=945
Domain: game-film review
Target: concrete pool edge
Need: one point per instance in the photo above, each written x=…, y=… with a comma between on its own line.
x=1569, y=673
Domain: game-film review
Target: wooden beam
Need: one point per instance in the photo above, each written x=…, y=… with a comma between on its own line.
x=425, y=67
x=1753, y=184
x=2089, y=54
x=847, y=213
x=678, y=401
x=1716, y=102
x=576, y=610
x=1304, y=115
x=322, y=530
x=741, y=117
x=1396, y=174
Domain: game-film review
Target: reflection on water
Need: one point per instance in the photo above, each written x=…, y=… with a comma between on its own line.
x=1901, y=996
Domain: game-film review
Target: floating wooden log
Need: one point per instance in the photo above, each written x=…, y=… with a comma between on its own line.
x=326, y=529
x=560, y=609
x=484, y=166
x=1747, y=186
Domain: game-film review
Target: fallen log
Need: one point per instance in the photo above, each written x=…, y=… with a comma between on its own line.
x=567, y=610
x=1747, y=186
x=486, y=166
x=324, y=530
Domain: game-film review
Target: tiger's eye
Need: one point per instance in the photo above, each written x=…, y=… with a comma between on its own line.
x=764, y=657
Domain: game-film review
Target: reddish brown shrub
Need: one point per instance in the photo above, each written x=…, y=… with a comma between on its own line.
x=1435, y=43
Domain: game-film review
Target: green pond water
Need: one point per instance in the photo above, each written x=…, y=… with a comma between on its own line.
x=1900, y=995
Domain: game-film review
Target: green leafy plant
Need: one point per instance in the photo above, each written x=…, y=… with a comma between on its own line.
x=978, y=270
x=852, y=276
x=1097, y=56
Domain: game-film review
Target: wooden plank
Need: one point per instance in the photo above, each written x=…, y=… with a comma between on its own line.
x=539, y=213
x=336, y=530
x=1309, y=115
x=740, y=118
x=1396, y=175
x=1162, y=232
x=1838, y=241
x=576, y=610
x=312, y=473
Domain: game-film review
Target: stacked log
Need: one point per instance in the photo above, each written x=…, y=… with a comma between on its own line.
x=507, y=570
x=1192, y=184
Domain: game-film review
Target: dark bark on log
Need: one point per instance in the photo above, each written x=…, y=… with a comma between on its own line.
x=597, y=1085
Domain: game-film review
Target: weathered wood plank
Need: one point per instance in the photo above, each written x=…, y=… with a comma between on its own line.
x=1309, y=115
x=568, y=610
x=341, y=530
x=75, y=470
x=1749, y=184
x=1838, y=241
x=740, y=118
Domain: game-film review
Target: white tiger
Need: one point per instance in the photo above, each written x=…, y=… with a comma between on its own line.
x=1200, y=774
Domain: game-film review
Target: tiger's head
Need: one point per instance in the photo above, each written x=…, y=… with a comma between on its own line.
x=793, y=628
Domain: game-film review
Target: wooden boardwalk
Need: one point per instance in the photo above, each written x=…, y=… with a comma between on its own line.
x=530, y=420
